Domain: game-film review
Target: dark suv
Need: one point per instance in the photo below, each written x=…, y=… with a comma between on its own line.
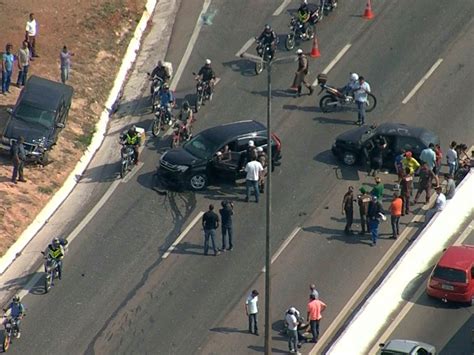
x=350, y=146
x=39, y=115
x=196, y=162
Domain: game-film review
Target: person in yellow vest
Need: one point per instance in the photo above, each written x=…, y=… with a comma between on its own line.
x=132, y=139
x=56, y=253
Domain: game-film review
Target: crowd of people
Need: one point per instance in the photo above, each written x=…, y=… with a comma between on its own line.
x=428, y=171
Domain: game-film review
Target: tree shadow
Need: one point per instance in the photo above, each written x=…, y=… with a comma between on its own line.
x=243, y=66
x=187, y=248
x=300, y=108
x=275, y=93
x=136, y=107
x=228, y=330
x=338, y=234
x=102, y=173
x=328, y=120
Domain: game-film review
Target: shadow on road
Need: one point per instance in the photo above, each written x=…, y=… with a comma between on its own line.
x=228, y=330
x=243, y=66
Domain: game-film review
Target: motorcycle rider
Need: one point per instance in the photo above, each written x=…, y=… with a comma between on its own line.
x=161, y=72
x=132, y=139
x=268, y=37
x=17, y=311
x=56, y=253
x=185, y=118
x=351, y=85
x=207, y=76
x=304, y=15
x=167, y=99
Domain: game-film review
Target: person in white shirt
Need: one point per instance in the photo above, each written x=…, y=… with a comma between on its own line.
x=360, y=95
x=292, y=322
x=439, y=205
x=428, y=156
x=452, y=158
x=254, y=170
x=30, y=34
x=251, y=309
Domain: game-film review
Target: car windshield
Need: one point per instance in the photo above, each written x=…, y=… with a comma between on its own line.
x=449, y=274
x=35, y=116
x=201, y=147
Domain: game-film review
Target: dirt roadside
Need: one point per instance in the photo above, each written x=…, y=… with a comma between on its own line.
x=98, y=33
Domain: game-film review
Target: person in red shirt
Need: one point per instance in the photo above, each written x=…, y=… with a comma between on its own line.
x=315, y=309
x=395, y=213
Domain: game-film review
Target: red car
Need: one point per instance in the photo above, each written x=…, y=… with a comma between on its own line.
x=453, y=277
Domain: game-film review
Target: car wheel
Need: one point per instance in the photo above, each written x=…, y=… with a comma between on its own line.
x=44, y=160
x=198, y=181
x=349, y=158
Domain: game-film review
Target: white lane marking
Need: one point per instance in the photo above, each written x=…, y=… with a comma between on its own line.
x=189, y=48
x=132, y=173
x=422, y=81
x=334, y=61
x=182, y=235
x=282, y=7
x=409, y=305
x=284, y=245
x=245, y=47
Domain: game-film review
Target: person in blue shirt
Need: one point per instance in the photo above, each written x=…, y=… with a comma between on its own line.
x=166, y=97
x=17, y=311
x=7, y=68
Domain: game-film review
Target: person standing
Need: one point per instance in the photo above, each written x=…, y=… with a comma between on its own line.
x=251, y=309
x=23, y=64
x=375, y=213
x=399, y=166
x=313, y=291
x=301, y=72
x=406, y=187
x=210, y=222
x=452, y=158
x=377, y=190
x=428, y=156
x=395, y=213
x=410, y=162
x=348, y=209
x=362, y=88
x=7, y=68
x=226, y=213
x=292, y=324
x=439, y=158
x=254, y=172
x=262, y=158
x=18, y=155
x=450, y=186
x=65, y=59
x=425, y=182
x=315, y=309
x=363, y=201
x=376, y=161
x=30, y=35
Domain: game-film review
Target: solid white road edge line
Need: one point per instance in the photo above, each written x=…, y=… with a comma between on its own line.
x=245, y=47
x=334, y=61
x=422, y=81
x=283, y=246
x=189, y=48
x=408, y=306
x=101, y=127
x=183, y=234
x=282, y=7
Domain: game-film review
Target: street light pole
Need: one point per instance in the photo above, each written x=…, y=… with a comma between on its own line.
x=268, y=289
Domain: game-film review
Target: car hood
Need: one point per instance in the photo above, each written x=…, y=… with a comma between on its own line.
x=180, y=156
x=405, y=346
x=16, y=128
x=355, y=135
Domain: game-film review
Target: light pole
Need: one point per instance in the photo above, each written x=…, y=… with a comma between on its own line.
x=268, y=289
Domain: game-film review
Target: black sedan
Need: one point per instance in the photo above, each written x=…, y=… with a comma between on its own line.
x=351, y=145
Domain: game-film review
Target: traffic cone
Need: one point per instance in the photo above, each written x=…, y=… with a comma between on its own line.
x=368, y=14
x=315, y=50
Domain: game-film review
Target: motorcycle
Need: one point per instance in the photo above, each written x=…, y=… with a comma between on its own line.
x=327, y=6
x=180, y=134
x=265, y=52
x=11, y=331
x=336, y=100
x=51, y=267
x=155, y=87
x=162, y=118
x=127, y=159
x=203, y=92
x=300, y=31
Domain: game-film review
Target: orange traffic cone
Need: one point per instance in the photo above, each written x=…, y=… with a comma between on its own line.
x=368, y=14
x=315, y=50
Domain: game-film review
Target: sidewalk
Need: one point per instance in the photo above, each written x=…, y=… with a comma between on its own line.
x=303, y=262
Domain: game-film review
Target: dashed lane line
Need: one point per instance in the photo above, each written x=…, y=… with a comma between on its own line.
x=334, y=61
x=422, y=81
x=245, y=47
x=182, y=235
x=283, y=246
x=282, y=7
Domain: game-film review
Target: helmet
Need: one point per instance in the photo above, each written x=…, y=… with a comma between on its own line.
x=208, y=61
x=292, y=310
x=16, y=299
x=251, y=144
x=166, y=86
x=259, y=149
x=56, y=241
x=185, y=105
x=268, y=28
x=299, y=51
x=354, y=76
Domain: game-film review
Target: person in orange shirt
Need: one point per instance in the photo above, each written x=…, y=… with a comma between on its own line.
x=395, y=212
x=315, y=309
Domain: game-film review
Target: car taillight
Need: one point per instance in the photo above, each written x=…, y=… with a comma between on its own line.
x=434, y=283
x=277, y=141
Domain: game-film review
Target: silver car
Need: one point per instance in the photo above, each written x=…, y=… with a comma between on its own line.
x=408, y=347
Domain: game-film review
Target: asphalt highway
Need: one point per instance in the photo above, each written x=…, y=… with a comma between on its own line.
x=118, y=295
